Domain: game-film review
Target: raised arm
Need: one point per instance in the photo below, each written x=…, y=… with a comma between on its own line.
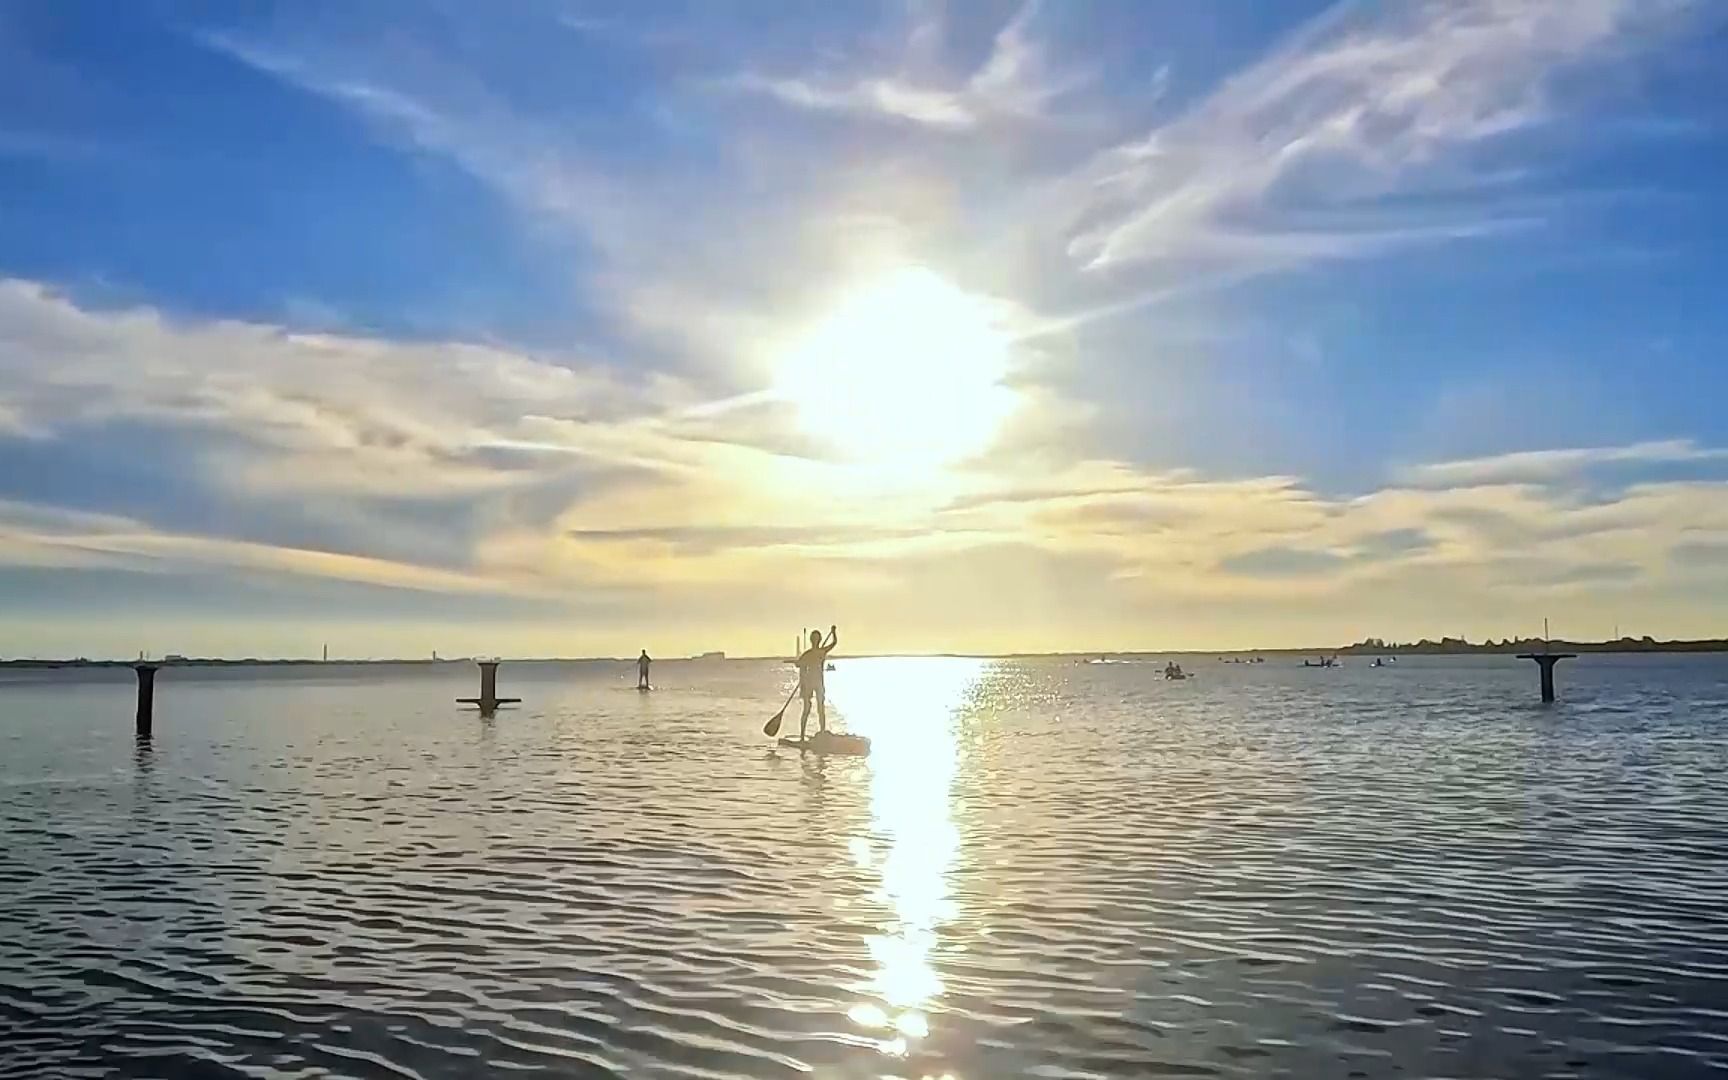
x=833, y=640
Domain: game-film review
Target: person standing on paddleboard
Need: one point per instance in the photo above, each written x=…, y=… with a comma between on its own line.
x=642, y=663
x=811, y=666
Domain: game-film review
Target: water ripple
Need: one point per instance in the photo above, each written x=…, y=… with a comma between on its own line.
x=1044, y=869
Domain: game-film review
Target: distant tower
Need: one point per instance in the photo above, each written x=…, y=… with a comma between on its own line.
x=326, y=652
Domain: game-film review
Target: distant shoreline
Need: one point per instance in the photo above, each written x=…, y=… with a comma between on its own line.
x=1371, y=647
x=1460, y=647
x=1443, y=647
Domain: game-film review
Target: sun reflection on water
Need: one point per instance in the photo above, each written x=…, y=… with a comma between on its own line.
x=909, y=709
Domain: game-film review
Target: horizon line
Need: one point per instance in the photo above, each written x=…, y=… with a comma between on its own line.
x=1644, y=643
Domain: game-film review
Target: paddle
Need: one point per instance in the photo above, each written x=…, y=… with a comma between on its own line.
x=772, y=727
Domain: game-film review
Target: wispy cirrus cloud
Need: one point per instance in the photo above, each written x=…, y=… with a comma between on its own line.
x=424, y=101
x=1544, y=466
x=1015, y=82
x=670, y=285
x=1292, y=159
x=1372, y=129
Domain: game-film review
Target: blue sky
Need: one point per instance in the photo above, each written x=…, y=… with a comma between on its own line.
x=1142, y=324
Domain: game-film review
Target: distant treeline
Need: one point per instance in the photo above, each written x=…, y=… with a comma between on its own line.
x=1459, y=646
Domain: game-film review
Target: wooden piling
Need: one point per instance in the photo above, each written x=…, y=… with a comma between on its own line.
x=1546, y=662
x=146, y=698
x=488, y=701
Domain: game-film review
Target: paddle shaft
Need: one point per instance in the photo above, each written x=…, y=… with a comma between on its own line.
x=773, y=724
x=772, y=727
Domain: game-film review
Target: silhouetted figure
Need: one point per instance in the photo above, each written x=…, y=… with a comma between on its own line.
x=811, y=666
x=642, y=663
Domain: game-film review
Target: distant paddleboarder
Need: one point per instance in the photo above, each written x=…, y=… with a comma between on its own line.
x=811, y=664
x=642, y=663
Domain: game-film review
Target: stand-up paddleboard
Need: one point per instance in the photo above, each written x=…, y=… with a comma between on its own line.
x=831, y=743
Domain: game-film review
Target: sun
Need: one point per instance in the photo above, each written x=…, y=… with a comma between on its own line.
x=904, y=373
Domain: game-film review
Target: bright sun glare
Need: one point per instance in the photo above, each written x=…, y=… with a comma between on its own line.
x=904, y=374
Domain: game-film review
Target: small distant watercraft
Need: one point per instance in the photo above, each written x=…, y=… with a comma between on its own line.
x=830, y=742
x=1324, y=661
x=1174, y=671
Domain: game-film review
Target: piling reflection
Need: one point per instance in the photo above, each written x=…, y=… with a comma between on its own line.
x=908, y=708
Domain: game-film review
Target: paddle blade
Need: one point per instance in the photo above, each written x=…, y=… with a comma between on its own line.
x=772, y=727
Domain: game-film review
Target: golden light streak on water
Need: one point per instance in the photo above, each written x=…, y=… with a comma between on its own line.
x=908, y=707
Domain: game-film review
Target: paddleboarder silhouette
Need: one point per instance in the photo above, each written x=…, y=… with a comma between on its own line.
x=812, y=663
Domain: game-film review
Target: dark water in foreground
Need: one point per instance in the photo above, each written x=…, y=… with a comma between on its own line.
x=1046, y=869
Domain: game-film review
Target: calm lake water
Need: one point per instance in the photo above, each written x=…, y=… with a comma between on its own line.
x=1047, y=868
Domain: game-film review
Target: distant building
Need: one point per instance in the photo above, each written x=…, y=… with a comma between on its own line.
x=712, y=656
x=174, y=658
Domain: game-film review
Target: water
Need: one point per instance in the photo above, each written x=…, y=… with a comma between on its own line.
x=1045, y=869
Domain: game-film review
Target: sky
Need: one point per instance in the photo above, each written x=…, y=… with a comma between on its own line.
x=563, y=328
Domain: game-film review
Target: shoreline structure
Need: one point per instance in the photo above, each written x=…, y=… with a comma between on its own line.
x=1367, y=647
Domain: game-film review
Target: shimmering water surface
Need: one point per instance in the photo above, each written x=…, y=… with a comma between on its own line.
x=1047, y=868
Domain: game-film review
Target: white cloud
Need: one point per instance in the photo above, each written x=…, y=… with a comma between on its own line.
x=1540, y=466
x=44, y=537
x=660, y=248
x=13, y=423
x=441, y=109
x=325, y=411
x=1366, y=101
x=384, y=451
x=702, y=518
x=1289, y=163
x=1015, y=82
x=885, y=96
